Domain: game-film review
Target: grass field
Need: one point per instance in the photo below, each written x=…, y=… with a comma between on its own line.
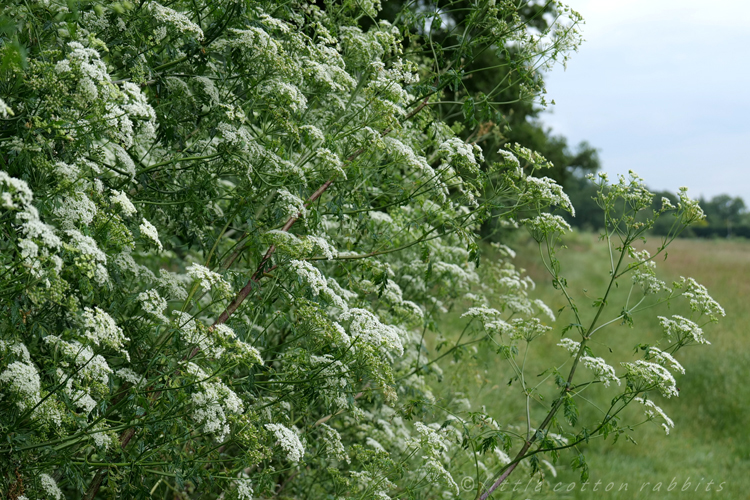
x=710, y=441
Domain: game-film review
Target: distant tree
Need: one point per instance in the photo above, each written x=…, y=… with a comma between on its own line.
x=724, y=211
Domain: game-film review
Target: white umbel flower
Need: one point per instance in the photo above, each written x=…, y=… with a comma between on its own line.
x=569, y=345
x=22, y=379
x=209, y=279
x=89, y=248
x=652, y=410
x=545, y=224
x=289, y=442
x=154, y=304
x=14, y=193
x=50, y=486
x=150, y=233
x=213, y=403
x=650, y=374
x=244, y=489
x=700, y=300
x=5, y=110
x=313, y=278
x=291, y=205
x=332, y=443
x=683, y=329
x=664, y=359
x=177, y=20
x=76, y=209
x=120, y=199
x=604, y=372
x=366, y=327
x=101, y=329
x=130, y=376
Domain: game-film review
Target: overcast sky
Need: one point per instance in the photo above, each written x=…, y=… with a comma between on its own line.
x=661, y=87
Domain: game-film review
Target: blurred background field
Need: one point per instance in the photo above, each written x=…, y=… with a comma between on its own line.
x=710, y=441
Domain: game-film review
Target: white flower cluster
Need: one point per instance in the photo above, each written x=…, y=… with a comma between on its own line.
x=569, y=345
x=87, y=62
x=691, y=209
x=90, y=367
x=5, y=110
x=43, y=234
x=176, y=20
x=333, y=379
x=244, y=489
x=288, y=441
x=331, y=441
x=644, y=274
x=209, y=88
x=652, y=410
x=126, y=206
x=195, y=335
x=645, y=277
x=14, y=193
x=101, y=437
x=366, y=327
x=485, y=313
x=255, y=41
x=76, y=209
x=330, y=161
x=101, y=329
x=284, y=95
x=511, y=160
x=240, y=350
x=149, y=232
x=313, y=133
x=67, y=171
x=604, y=372
x=435, y=444
x=209, y=279
x=153, y=304
x=22, y=379
x=394, y=296
x=372, y=486
x=700, y=300
x=172, y=285
x=91, y=254
x=463, y=155
x=401, y=151
x=313, y=278
x=664, y=358
x=130, y=376
x=546, y=225
x=527, y=329
x=683, y=330
x=631, y=189
x=544, y=308
x=647, y=375
x=380, y=217
x=463, y=276
x=213, y=403
x=322, y=245
x=548, y=191
x=291, y=205
x=50, y=486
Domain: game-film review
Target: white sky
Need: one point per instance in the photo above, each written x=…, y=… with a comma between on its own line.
x=661, y=87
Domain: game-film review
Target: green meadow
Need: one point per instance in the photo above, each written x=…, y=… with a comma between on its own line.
x=709, y=446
